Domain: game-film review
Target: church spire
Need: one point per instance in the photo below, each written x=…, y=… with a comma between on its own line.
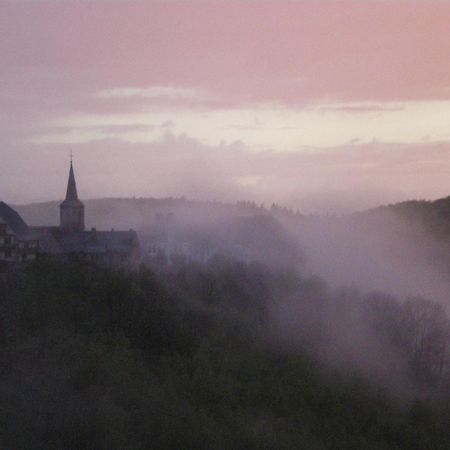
x=71, y=209
x=71, y=193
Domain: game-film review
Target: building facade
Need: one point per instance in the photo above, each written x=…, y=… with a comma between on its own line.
x=17, y=242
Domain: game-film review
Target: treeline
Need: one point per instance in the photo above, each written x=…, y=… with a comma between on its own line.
x=198, y=358
x=433, y=216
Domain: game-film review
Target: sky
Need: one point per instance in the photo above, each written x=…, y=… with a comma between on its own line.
x=324, y=106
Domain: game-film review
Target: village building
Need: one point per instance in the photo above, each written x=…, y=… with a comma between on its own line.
x=19, y=242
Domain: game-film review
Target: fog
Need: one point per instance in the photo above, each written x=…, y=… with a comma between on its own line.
x=286, y=290
x=378, y=271
x=383, y=252
x=356, y=291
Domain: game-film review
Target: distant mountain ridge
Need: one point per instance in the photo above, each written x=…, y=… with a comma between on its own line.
x=220, y=226
x=367, y=247
x=136, y=212
x=105, y=213
x=432, y=215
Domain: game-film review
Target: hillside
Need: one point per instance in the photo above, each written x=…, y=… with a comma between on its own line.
x=228, y=356
x=432, y=216
x=224, y=228
x=137, y=213
x=403, y=249
x=232, y=354
x=372, y=246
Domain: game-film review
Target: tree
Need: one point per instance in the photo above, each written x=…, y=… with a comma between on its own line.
x=426, y=334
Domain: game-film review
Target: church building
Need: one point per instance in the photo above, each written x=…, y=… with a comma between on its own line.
x=19, y=242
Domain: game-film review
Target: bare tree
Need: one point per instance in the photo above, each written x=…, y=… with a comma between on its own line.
x=426, y=335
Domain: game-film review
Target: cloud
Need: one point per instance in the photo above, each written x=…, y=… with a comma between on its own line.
x=248, y=180
x=334, y=180
x=329, y=87
x=265, y=126
x=157, y=92
x=361, y=107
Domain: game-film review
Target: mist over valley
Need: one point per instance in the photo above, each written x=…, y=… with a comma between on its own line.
x=213, y=232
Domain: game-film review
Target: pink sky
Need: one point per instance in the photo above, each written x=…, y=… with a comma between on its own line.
x=324, y=106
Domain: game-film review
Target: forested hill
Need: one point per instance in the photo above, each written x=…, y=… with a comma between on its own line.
x=434, y=216
x=137, y=212
x=223, y=356
x=219, y=226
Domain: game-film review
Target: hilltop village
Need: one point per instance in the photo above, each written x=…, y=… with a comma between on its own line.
x=169, y=232
x=20, y=243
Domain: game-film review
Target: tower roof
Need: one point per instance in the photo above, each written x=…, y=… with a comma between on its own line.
x=71, y=193
x=13, y=219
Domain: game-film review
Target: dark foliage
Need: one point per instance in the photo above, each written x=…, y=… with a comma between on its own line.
x=99, y=359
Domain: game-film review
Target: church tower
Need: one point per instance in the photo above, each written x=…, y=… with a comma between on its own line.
x=71, y=209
